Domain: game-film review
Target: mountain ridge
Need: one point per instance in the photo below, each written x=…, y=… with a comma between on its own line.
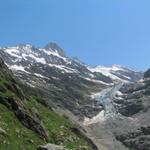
x=62, y=62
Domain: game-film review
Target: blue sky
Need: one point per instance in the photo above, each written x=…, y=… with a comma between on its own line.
x=103, y=32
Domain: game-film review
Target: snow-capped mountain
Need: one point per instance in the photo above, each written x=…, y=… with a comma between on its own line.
x=22, y=58
x=47, y=56
x=48, y=70
x=118, y=73
x=27, y=59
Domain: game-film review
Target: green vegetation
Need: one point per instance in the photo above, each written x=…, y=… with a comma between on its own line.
x=8, y=88
x=59, y=127
x=17, y=136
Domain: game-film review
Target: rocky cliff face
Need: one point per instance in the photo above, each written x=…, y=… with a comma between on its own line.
x=137, y=106
x=147, y=74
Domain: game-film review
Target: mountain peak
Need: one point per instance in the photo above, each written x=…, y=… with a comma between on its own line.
x=54, y=47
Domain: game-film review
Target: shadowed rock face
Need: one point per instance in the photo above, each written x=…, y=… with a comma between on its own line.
x=137, y=106
x=140, y=139
x=54, y=46
x=147, y=74
x=1, y=63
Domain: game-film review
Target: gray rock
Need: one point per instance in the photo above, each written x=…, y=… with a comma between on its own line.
x=50, y=147
x=2, y=131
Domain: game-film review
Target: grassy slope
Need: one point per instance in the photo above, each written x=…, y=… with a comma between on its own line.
x=19, y=137
x=58, y=127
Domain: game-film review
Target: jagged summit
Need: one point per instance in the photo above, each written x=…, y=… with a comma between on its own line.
x=54, y=47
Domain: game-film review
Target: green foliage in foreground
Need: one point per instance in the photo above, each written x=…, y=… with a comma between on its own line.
x=19, y=137
x=59, y=128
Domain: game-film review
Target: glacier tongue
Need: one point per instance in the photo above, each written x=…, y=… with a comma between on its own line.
x=105, y=98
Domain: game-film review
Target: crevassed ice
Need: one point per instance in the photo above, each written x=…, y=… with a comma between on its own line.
x=105, y=98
